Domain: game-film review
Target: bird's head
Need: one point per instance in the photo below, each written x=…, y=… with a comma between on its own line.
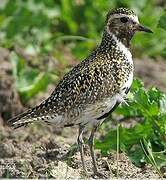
x=123, y=23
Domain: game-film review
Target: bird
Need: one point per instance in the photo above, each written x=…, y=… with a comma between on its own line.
x=95, y=87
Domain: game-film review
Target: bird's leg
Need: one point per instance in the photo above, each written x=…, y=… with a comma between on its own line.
x=81, y=149
x=91, y=145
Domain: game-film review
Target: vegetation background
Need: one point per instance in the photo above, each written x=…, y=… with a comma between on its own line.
x=41, y=40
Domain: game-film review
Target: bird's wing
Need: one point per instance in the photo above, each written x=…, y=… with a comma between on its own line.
x=87, y=83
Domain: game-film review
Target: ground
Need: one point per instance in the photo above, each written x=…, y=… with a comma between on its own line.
x=41, y=151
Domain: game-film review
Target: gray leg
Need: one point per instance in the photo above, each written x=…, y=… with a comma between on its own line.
x=91, y=145
x=81, y=149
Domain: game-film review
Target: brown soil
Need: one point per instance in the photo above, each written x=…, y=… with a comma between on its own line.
x=152, y=72
x=41, y=151
x=9, y=100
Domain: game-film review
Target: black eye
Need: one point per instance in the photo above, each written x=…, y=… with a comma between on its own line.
x=123, y=19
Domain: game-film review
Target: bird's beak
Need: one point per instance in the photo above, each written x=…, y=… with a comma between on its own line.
x=143, y=28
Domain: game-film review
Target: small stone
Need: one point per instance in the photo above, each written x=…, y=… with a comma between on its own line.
x=7, y=150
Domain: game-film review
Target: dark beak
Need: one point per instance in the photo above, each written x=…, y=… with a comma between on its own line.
x=143, y=28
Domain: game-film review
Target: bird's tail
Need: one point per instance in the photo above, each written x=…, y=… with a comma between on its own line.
x=23, y=119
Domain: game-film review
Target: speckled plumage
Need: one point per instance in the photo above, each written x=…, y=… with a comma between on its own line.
x=99, y=77
x=120, y=11
x=96, y=86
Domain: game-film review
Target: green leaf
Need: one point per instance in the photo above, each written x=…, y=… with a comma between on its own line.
x=30, y=87
x=153, y=109
x=109, y=142
x=18, y=64
x=162, y=21
x=136, y=155
x=160, y=159
x=29, y=81
x=136, y=85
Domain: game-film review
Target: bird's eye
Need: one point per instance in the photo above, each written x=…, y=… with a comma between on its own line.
x=123, y=19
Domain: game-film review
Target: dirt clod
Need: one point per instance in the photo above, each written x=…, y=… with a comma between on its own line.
x=10, y=104
x=7, y=150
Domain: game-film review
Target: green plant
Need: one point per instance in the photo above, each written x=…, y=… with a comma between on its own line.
x=28, y=81
x=149, y=107
x=37, y=24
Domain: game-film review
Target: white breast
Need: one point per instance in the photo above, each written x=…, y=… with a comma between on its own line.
x=127, y=53
x=123, y=48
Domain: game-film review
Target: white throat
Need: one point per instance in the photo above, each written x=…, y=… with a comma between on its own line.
x=122, y=47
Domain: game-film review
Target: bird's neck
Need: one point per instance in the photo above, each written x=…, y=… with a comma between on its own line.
x=112, y=39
